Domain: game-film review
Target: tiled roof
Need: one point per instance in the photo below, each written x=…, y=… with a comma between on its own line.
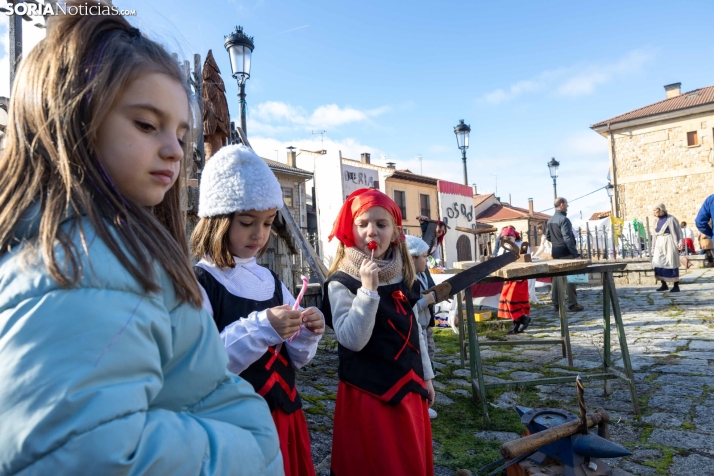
x=281, y=167
x=505, y=212
x=479, y=199
x=697, y=97
x=600, y=215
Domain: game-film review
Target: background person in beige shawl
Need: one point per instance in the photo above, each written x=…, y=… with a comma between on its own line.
x=665, y=252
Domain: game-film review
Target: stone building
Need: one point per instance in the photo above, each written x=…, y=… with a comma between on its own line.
x=662, y=153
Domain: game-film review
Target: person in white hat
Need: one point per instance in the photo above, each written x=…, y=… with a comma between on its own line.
x=419, y=251
x=266, y=334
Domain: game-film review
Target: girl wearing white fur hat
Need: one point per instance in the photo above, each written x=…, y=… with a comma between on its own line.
x=264, y=337
x=419, y=251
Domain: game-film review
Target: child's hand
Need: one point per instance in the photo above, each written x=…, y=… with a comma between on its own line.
x=432, y=394
x=284, y=320
x=430, y=298
x=313, y=320
x=369, y=274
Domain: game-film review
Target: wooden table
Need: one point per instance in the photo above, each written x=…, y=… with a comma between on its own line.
x=611, y=306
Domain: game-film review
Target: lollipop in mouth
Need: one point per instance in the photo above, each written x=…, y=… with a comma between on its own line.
x=372, y=245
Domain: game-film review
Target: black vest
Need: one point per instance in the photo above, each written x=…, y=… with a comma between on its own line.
x=389, y=366
x=272, y=375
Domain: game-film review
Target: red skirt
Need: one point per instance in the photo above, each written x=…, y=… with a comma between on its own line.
x=372, y=437
x=515, y=302
x=688, y=244
x=294, y=442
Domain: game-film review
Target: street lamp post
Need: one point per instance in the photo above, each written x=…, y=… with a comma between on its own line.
x=553, y=167
x=462, y=139
x=240, y=47
x=610, y=192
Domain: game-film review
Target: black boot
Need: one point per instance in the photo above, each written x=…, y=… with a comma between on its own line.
x=675, y=288
x=516, y=324
x=664, y=287
x=525, y=320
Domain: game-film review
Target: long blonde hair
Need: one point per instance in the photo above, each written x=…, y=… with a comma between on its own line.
x=409, y=273
x=63, y=90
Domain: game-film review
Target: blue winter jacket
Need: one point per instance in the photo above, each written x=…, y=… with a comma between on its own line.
x=105, y=379
x=706, y=213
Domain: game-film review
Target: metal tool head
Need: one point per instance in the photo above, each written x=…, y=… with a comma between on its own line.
x=593, y=446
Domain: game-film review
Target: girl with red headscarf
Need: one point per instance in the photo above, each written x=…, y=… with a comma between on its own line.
x=515, y=302
x=381, y=421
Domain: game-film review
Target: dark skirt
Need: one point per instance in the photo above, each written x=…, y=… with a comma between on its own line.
x=667, y=275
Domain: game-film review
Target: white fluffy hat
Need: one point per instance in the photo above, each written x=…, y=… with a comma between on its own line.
x=416, y=246
x=236, y=179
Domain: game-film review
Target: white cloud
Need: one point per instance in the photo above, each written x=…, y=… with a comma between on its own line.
x=323, y=117
x=577, y=80
x=351, y=149
x=431, y=166
x=499, y=95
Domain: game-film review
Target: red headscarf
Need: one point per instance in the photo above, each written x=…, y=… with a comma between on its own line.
x=356, y=204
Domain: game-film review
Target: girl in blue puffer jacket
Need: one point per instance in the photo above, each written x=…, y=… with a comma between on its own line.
x=108, y=364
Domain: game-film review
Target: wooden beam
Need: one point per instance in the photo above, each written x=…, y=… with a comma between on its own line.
x=308, y=251
x=475, y=232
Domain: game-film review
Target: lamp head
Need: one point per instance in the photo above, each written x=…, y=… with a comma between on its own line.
x=553, y=167
x=462, y=134
x=239, y=47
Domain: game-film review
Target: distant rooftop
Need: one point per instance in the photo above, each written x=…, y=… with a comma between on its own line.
x=281, y=167
x=698, y=97
x=508, y=212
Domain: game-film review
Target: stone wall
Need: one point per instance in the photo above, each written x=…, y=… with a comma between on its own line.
x=654, y=164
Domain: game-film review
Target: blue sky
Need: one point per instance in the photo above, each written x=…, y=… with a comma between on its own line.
x=394, y=78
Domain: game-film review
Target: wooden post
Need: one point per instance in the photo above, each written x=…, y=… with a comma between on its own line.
x=607, y=361
x=564, y=329
x=623, y=342
x=477, y=384
x=200, y=152
x=462, y=329
x=15, y=33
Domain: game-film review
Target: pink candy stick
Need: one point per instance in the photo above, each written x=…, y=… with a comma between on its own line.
x=297, y=305
x=302, y=293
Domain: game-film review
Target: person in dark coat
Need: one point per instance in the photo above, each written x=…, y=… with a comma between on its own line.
x=704, y=222
x=559, y=231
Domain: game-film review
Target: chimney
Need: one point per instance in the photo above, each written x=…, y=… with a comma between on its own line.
x=292, y=157
x=530, y=206
x=391, y=165
x=364, y=157
x=475, y=190
x=672, y=90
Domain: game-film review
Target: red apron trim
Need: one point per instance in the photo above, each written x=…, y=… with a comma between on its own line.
x=276, y=378
x=276, y=355
x=389, y=394
x=406, y=339
x=400, y=383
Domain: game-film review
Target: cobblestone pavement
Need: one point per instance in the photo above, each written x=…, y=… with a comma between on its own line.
x=671, y=343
